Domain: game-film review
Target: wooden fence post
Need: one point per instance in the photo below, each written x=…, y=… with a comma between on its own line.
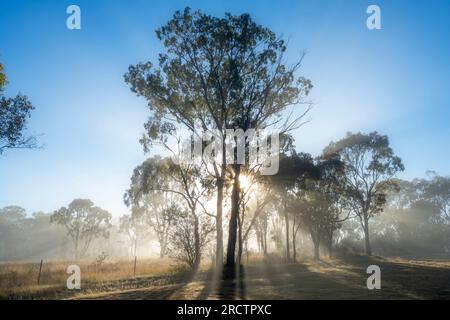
x=40, y=269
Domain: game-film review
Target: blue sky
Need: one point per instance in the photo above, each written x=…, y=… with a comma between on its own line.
x=395, y=80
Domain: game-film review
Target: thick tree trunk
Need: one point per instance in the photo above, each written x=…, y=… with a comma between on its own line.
x=196, y=243
x=294, y=244
x=247, y=253
x=366, y=235
x=240, y=242
x=294, y=248
x=219, y=230
x=265, y=242
x=286, y=220
x=162, y=251
x=165, y=240
x=316, y=251
x=259, y=240
x=330, y=247
x=232, y=232
x=315, y=236
x=240, y=251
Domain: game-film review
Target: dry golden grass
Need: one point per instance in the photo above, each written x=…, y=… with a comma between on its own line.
x=19, y=280
x=262, y=278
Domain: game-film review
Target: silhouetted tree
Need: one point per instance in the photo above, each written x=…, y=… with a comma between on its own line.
x=14, y=113
x=293, y=169
x=318, y=202
x=2, y=78
x=163, y=175
x=189, y=237
x=369, y=164
x=255, y=195
x=218, y=74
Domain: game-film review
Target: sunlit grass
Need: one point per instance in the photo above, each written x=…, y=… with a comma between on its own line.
x=21, y=279
x=262, y=278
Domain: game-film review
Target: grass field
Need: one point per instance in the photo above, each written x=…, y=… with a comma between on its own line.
x=260, y=279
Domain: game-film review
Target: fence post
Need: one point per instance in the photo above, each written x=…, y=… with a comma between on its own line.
x=40, y=269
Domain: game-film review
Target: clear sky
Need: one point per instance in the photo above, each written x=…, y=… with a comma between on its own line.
x=395, y=80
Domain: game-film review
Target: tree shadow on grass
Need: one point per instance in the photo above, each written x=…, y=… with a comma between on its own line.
x=297, y=281
x=410, y=279
x=144, y=289
x=330, y=279
x=230, y=285
x=313, y=280
x=268, y=280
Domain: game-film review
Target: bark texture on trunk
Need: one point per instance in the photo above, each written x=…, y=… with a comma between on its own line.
x=367, y=235
x=315, y=236
x=294, y=241
x=316, y=252
x=240, y=243
x=286, y=220
x=232, y=232
x=197, y=243
x=330, y=246
x=219, y=230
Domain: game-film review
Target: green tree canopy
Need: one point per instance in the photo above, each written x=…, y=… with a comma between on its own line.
x=14, y=113
x=370, y=166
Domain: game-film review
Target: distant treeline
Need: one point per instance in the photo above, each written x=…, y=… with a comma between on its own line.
x=416, y=221
x=33, y=237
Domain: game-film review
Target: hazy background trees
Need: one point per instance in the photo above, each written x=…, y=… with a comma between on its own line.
x=32, y=237
x=83, y=223
x=26, y=237
x=370, y=164
x=414, y=223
